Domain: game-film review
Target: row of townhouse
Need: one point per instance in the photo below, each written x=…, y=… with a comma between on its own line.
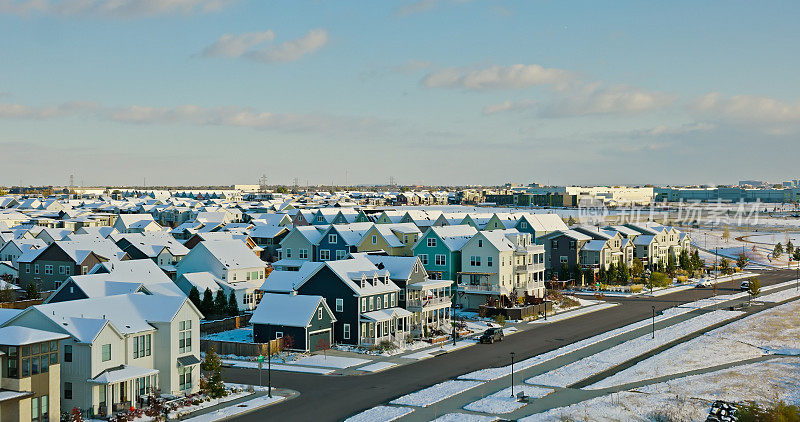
x=364, y=300
x=600, y=247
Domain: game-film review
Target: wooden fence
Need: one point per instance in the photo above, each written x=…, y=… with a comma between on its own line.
x=21, y=304
x=241, y=349
x=227, y=324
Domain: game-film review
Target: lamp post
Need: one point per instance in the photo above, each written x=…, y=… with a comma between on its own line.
x=654, y=322
x=512, y=373
x=269, y=369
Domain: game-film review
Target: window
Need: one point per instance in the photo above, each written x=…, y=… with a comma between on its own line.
x=374, y=239
x=68, y=390
x=339, y=304
x=488, y=261
x=48, y=269
x=44, y=363
x=564, y=259
x=35, y=409
x=44, y=407
x=475, y=261
x=346, y=334
x=385, y=301
x=393, y=299
x=106, y=353
x=62, y=269
x=572, y=244
x=341, y=254
x=319, y=218
x=185, y=378
x=423, y=259
x=324, y=255
x=288, y=253
x=363, y=304
x=85, y=269
x=440, y=259
x=34, y=365
x=185, y=336
x=372, y=303
x=554, y=244
x=303, y=254
x=141, y=346
x=480, y=243
x=27, y=268
x=278, y=334
x=67, y=353
x=378, y=304
x=523, y=225
x=36, y=269
x=319, y=313
x=26, y=367
x=431, y=242
x=332, y=238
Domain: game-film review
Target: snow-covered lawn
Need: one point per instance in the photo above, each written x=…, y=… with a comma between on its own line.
x=241, y=335
x=435, y=393
x=275, y=366
x=230, y=411
x=377, y=366
x=779, y=296
x=611, y=357
x=415, y=345
x=576, y=312
x=330, y=361
x=774, y=329
x=502, y=402
x=380, y=414
x=444, y=347
x=465, y=417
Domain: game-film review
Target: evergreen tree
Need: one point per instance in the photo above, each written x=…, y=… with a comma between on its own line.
x=637, y=268
x=684, y=261
x=220, y=303
x=778, y=251
x=611, y=273
x=7, y=294
x=671, y=267
x=233, y=307
x=577, y=274
x=797, y=254
x=741, y=261
x=212, y=365
x=789, y=248
x=32, y=291
x=563, y=272
x=624, y=274
x=207, y=304
x=697, y=263
x=601, y=276
x=194, y=296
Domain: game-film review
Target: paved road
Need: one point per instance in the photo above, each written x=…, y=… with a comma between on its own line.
x=332, y=398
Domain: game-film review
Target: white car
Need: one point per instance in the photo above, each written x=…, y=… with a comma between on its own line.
x=745, y=285
x=704, y=282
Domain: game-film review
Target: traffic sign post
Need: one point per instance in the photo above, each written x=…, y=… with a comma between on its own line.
x=260, y=360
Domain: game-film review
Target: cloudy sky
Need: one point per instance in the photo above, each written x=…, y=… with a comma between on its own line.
x=427, y=91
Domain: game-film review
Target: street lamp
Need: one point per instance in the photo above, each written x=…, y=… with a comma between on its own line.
x=512, y=373
x=654, y=322
x=269, y=369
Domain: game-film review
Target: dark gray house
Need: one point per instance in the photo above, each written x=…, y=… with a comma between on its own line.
x=562, y=247
x=307, y=320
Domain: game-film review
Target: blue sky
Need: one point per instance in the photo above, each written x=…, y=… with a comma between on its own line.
x=431, y=91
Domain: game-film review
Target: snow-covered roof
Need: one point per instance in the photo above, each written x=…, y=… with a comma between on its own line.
x=594, y=245
x=18, y=336
x=455, y=237
x=233, y=254
x=288, y=310
x=399, y=267
x=121, y=373
x=6, y=314
x=386, y=314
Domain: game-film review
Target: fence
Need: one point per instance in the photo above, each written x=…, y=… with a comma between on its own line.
x=21, y=304
x=227, y=324
x=242, y=349
x=518, y=313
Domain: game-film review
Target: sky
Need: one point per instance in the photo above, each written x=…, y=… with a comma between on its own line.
x=438, y=92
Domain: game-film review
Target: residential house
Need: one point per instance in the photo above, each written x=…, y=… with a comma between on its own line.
x=305, y=319
x=396, y=239
x=562, y=247
x=136, y=223
x=339, y=240
x=50, y=266
x=439, y=250
x=13, y=249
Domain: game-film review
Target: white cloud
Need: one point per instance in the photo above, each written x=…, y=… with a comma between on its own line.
x=258, y=46
x=749, y=108
x=595, y=98
x=18, y=111
x=236, y=45
x=508, y=106
x=516, y=76
x=110, y=8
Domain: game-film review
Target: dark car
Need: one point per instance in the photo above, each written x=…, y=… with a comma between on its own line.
x=492, y=335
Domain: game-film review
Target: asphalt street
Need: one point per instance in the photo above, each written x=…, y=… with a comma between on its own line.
x=333, y=398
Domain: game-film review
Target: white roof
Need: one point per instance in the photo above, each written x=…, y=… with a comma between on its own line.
x=455, y=237
x=399, y=267
x=288, y=281
x=18, y=336
x=121, y=373
x=233, y=254
x=288, y=310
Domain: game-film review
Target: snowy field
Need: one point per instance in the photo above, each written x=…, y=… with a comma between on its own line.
x=380, y=414
x=611, y=357
x=689, y=398
x=435, y=393
x=779, y=296
x=231, y=411
x=774, y=329
x=502, y=401
x=464, y=417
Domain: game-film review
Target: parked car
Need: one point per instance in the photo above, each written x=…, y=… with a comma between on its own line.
x=704, y=282
x=492, y=335
x=745, y=285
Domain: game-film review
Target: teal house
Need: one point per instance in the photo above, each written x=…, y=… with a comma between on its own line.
x=439, y=250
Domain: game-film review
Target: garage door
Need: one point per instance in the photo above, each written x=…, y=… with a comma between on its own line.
x=319, y=340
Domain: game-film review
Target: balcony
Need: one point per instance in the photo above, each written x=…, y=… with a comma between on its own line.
x=428, y=302
x=481, y=288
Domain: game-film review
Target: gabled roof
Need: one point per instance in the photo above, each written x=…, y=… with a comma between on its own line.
x=454, y=237
x=594, y=245
x=19, y=336
x=232, y=254
x=399, y=267
x=288, y=281
x=352, y=271
x=351, y=233
x=288, y=310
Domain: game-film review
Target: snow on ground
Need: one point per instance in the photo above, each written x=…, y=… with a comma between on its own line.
x=377, y=366
x=502, y=401
x=464, y=417
x=608, y=358
x=338, y=362
x=380, y=414
x=230, y=411
x=241, y=335
x=774, y=329
x=415, y=345
x=435, y=393
x=779, y=296
x=275, y=366
x=576, y=312
x=444, y=347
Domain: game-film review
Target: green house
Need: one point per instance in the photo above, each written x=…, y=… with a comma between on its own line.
x=439, y=250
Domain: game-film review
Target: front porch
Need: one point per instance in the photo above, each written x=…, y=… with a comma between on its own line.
x=431, y=302
x=392, y=325
x=120, y=388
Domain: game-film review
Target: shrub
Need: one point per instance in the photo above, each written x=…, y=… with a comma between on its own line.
x=777, y=411
x=658, y=279
x=500, y=320
x=637, y=288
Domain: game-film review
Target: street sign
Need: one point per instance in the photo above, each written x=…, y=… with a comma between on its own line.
x=260, y=358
